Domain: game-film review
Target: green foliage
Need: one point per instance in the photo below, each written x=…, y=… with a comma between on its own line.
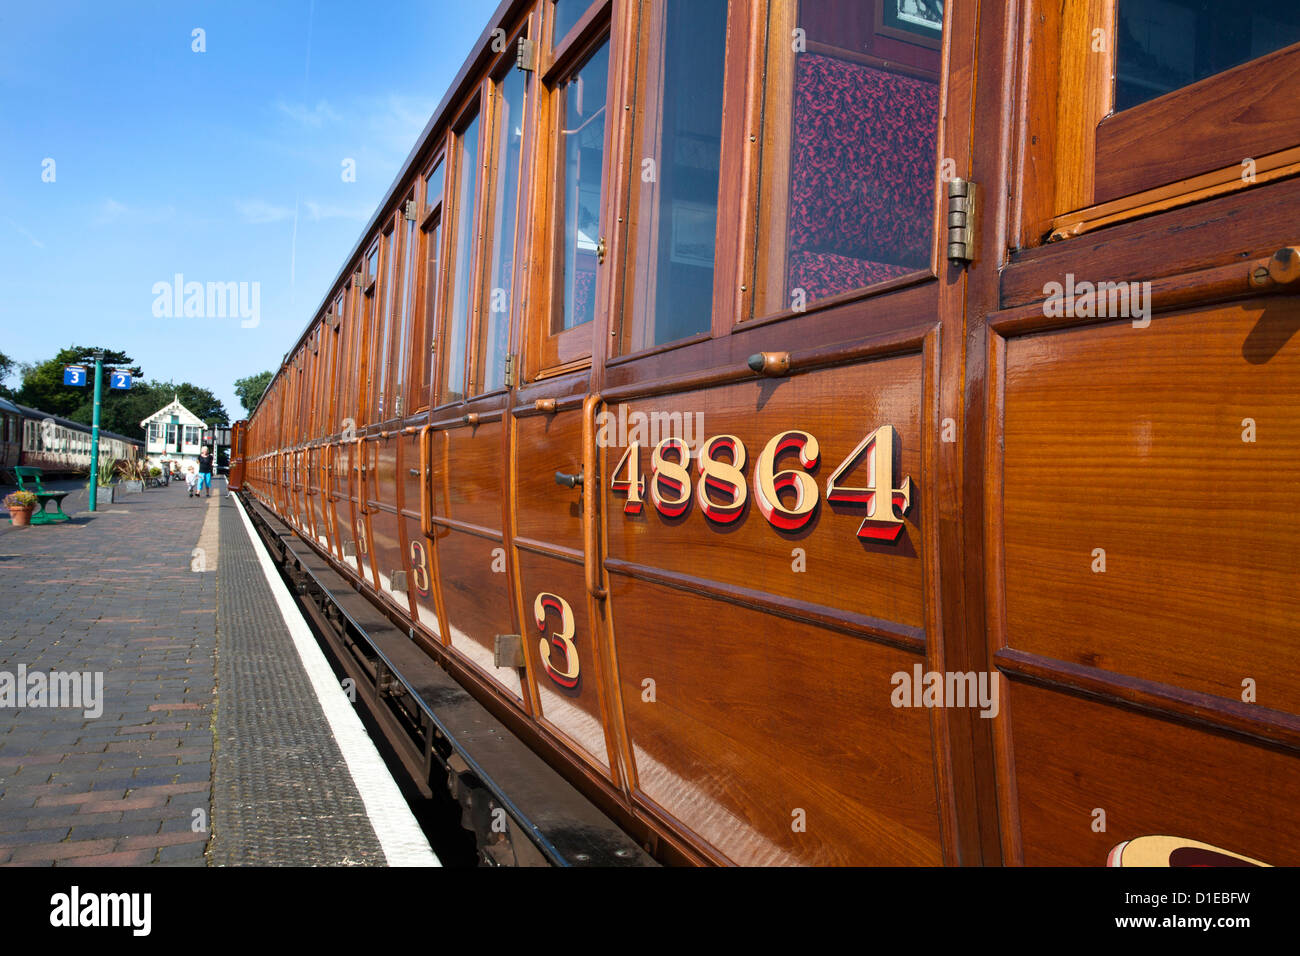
x=104, y=474
x=120, y=411
x=42, y=383
x=20, y=499
x=7, y=368
x=250, y=389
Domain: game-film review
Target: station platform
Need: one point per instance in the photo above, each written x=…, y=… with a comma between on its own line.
x=162, y=702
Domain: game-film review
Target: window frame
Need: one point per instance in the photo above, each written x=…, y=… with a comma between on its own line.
x=555, y=353
x=1082, y=166
x=451, y=218
x=742, y=66
x=431, y=306
x=495, y=78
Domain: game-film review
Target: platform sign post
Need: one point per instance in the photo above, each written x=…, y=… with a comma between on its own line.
x=94, y=429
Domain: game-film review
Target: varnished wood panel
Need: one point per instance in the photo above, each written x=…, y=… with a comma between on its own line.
x=1247, y=111
x=839, y=406
x=477, y=602
x=470, y=472
x=1074, y=757
x=576, y=712
x=1131, y=440
x=545, y=511
x=754, y=718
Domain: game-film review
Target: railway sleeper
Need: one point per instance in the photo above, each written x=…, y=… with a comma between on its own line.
x=521, y=811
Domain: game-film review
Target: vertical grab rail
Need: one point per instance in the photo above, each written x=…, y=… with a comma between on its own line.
x=592, y=487
x=426, y=486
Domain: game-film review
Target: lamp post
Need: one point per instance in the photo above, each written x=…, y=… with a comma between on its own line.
x=94, y=429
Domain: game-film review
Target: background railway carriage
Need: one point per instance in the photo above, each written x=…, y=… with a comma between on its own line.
x=11, y=436
x=756, y=361
x=31, y=437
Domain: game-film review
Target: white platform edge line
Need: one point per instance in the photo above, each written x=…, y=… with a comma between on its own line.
x=401, y=838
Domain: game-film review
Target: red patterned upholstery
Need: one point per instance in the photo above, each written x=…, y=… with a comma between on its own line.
x=824, y=274
x=862, y=175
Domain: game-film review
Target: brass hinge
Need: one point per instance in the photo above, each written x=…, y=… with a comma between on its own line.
x=508, y=650
x=510, y=371
x=962, y=196
x=526, y=55
x=410, y=210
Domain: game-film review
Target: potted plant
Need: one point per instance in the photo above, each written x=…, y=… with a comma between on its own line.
x=130, y=476
x=20, y=505
x=104, y=479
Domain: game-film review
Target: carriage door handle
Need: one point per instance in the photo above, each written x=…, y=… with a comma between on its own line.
x=568, y=481
x=1282, y=268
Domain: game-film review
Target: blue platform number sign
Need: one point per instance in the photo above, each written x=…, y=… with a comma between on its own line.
x=119, y=379
x=74, y=375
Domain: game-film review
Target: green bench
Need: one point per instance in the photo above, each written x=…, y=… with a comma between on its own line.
x=33, y=475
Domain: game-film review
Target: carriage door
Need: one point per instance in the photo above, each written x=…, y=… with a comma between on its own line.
x=467, y=440
x=555, y=484
x=1144, y=429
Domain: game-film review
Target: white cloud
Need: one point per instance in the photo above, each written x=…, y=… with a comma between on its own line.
x=110, y=210
x=259, y=211
x=318, y=211
x=315, y=117
x=36, y=242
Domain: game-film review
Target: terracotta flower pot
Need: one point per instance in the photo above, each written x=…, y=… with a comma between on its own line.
x=20, y=516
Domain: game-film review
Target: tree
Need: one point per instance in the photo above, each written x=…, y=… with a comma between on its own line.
x=250, y=389
x=42, y=382
x=121, y=410
x=7, y=368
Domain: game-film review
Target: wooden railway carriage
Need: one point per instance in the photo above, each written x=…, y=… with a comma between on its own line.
x=57, y=445
x=879, y=419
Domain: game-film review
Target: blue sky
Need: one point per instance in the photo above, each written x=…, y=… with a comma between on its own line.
x=223, y=166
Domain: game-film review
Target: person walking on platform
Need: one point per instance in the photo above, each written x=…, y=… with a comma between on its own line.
x=205, y=471
x=191, y=480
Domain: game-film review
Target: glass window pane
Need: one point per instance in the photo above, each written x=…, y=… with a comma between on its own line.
x=433, y=186
x=846, y=197
x=453, y=388
x=495, y=326
x=674, y=197
x=1164, y=45
x=383, y=404
x=402, y=346
x=431, y=315
x=582, y=152
x=567, y=14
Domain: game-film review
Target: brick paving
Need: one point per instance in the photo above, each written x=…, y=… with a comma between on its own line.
x=208, y=718
x=110, y=593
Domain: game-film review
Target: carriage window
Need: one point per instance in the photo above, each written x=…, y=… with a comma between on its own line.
x=453, y=380
x=402, y=347
x=581, y=149
x=367, y=317
x=673, y=202
x=567, y=15
x=494, y=323
x=427, y=336
x=383, y=326
x=850, y=119
x=1164, y=45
